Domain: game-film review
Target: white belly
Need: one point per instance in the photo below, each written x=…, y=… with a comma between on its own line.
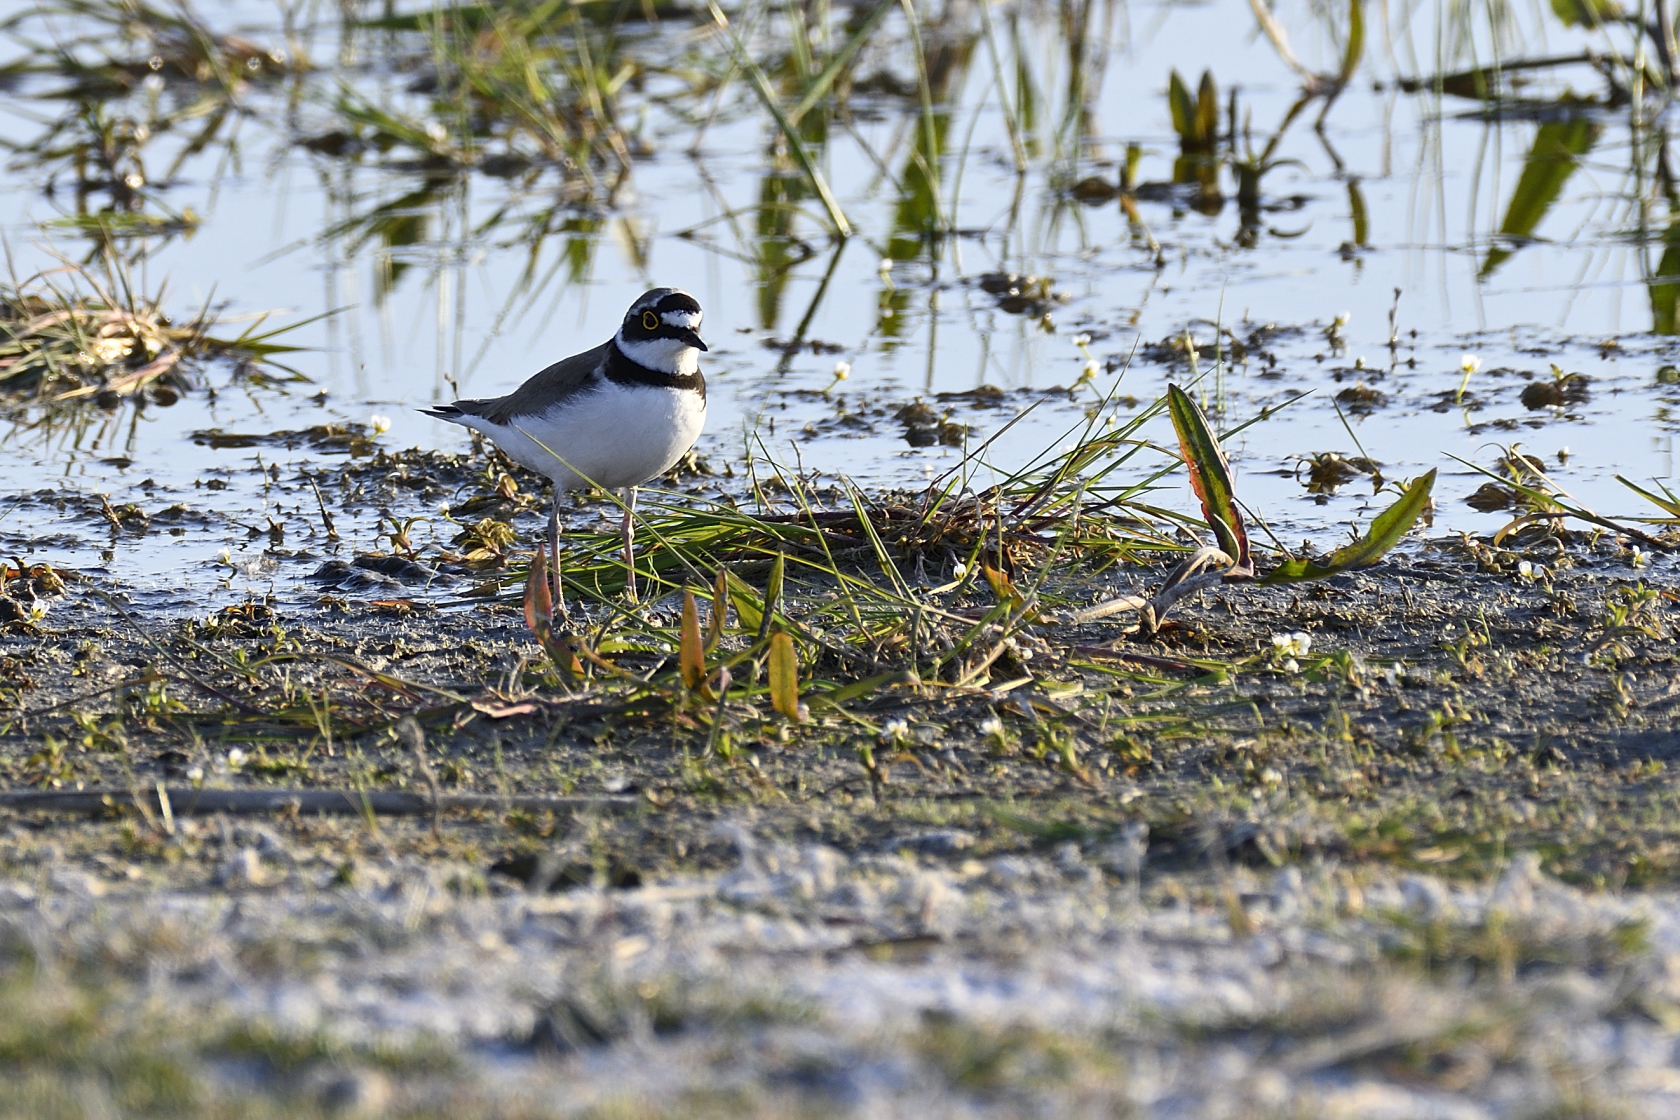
x=611, y=435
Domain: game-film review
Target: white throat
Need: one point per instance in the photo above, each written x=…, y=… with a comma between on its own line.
x=663, y=355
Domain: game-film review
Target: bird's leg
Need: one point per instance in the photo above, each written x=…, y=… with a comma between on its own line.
x=554, y=553
x=629, y=495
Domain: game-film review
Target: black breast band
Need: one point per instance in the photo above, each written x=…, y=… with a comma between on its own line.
x=623, y=369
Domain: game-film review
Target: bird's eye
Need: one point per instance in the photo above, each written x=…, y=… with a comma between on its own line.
x=650, y=321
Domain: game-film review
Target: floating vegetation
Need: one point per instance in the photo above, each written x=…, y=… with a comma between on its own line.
x=1328, y=471
x=71, y=337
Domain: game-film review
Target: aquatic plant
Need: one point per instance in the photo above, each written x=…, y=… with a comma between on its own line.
x=70, y=335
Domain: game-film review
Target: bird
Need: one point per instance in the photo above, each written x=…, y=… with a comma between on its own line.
x=615, y=416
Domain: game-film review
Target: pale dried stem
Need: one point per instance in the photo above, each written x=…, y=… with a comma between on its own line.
x=1189, y=577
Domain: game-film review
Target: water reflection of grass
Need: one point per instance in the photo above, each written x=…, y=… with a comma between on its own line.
x=535, y=117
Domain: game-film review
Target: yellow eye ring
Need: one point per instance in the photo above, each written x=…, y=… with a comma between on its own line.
x=650, y=321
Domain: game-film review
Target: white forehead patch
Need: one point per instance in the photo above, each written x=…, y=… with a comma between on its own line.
x=683, y=320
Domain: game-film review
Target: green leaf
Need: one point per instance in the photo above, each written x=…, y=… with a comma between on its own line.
x=720, y=609
x=772, y=594
x=784, y=675
x=748, y=608
x=1385, y=532
x=1210, y=475
x=855, y=689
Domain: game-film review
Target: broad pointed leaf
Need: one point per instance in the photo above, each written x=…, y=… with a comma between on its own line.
x=784, y=675
x=748, y=607
x=772, y=594
x=720, y=610
x=1385, y=532
x=1003, y=587
x=539, y=599
x=1210, y=475
x=691, y=656
x=1183, y=108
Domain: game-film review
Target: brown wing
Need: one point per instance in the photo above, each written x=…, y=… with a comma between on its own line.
x=541, y=392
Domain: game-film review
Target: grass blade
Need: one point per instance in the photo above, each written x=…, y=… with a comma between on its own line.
x=1669, y=504
x=821, y=84
x=790, y=132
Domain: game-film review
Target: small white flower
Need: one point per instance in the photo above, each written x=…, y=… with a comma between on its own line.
x=842, y=370
x=991, y=727
x=225, y=557
x=436, y=132
x=37, y=611
x=1525, y=570
x=195, y=773
x=1640, y=557
x=1292, y=666
x=378, y=424
x=1091, y=370
x=235, y=758
x=959, y=571
x=1296, y=643
x=894, y=731
x=1344, y=318
x=885, y=266
x=1082, y=340
x=1469, y=363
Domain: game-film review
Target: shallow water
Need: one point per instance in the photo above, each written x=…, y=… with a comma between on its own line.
x=443, y=280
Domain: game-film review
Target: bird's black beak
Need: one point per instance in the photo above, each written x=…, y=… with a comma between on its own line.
x=693, y=339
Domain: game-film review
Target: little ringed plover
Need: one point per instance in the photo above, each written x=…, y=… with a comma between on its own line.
x=615, y=416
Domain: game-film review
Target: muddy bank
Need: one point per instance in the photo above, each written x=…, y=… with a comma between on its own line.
x=1394, y=842
x=1443, y=710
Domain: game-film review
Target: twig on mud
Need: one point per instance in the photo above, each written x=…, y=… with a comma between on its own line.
x=1186, y=579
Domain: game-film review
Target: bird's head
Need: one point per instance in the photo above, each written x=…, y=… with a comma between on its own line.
x=661, y=332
